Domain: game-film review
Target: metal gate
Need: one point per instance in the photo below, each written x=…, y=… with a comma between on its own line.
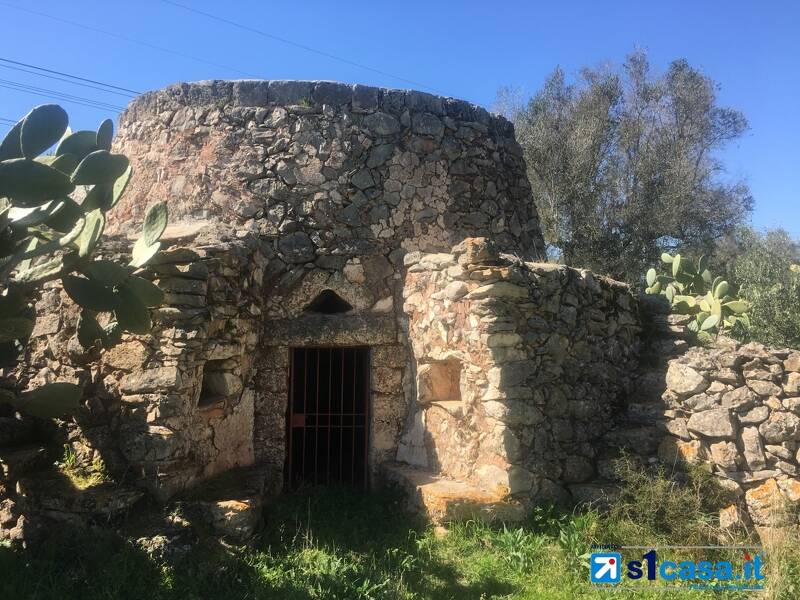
x=327, y=423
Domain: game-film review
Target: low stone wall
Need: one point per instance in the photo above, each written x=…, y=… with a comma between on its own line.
x=736, y=410
x=520, y=368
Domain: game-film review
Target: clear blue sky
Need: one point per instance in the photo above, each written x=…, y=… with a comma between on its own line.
x=465, y=49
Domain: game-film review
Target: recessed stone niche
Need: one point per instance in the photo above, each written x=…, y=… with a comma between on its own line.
x=219, y=384
x=439, y=382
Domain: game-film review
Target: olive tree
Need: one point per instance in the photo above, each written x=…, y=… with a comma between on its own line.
x=624, y=164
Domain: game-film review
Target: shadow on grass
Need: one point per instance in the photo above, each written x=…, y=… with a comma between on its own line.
x=320, y=544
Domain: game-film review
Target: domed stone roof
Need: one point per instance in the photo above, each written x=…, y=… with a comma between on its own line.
x=327, y=169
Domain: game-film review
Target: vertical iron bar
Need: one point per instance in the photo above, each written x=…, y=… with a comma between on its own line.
x=353, y=417
x=330, y=414
x=316, y=419
x=305, y=397
x=289, y=425
x=341, y=424
x=367, y=395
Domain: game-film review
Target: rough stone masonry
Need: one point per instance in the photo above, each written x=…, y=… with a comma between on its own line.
x=495, y=380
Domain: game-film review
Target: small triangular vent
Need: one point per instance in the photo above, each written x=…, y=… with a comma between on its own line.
x=329, y=302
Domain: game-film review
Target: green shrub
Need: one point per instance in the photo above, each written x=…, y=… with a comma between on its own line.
x=657, y=507
x=769, y=280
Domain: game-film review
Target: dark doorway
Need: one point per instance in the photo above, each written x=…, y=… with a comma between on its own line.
x=328, y=416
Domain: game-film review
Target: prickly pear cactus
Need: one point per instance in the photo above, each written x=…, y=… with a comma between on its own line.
x=45, y=235
x=691, y=289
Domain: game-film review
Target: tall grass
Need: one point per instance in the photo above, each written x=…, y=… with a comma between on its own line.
x=345, y=545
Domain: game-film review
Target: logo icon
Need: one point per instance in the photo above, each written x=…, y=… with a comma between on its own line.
x=604, y=567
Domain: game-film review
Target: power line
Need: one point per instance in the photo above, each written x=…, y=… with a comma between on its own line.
x=301, y=46
x=198, y=59
x=88, y=102
x=127, y=93
x=125, y=38
x=63, y=95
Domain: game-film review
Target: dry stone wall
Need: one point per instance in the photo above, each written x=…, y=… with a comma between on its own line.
x=512, y=379
x=328, y=169
x=735, y=410
x=176, y=406
x=520, y=369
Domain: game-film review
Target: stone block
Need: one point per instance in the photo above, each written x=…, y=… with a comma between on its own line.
x=792, y=385
x=725, y=455
x=386, y=379
x=732, y=517
x=754, y=416
x=766, y=504
x=752, y=448
x=780, y=427
x=151, y=380
x=740, y=399
x=684, y=380
x=672, y=451
x=126, y=356
x=764, y=388
x=501, y=289
x=714, y=423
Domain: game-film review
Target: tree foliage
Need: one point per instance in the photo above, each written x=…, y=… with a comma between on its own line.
x=46, y=235
x=767, y=269
x=624, y=164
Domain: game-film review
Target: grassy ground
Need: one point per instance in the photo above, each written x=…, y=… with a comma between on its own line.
x=344, y=545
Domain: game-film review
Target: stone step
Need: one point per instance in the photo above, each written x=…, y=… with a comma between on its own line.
x=232, y=504
x=52, y=493
x=444, y=500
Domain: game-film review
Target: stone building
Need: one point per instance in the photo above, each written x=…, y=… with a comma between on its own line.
x=355, y=294
x=297, y=206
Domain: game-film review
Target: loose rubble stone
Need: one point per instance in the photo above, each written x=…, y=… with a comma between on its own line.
x=725, y=455
x=765, y=503
x=753, y=448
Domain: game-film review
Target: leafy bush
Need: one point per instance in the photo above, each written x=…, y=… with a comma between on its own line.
x=658, y=507
x=768, y=271
x=46, y=235
x=691, y=289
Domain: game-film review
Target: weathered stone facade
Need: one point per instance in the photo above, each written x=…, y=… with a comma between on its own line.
x=330, y=172
x=175, y=406
x=494, y=380
x=541, y=357
x=278, y=192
